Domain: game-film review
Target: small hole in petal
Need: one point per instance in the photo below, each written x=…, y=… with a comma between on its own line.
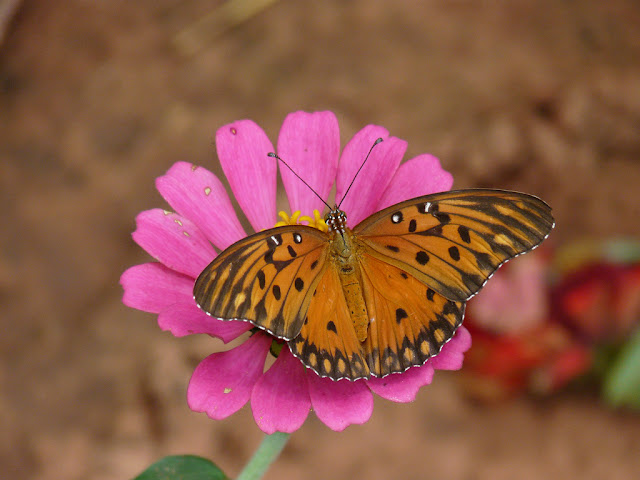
x=233, y=131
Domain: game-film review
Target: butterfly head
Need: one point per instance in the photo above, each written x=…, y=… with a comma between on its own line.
x=336, y=220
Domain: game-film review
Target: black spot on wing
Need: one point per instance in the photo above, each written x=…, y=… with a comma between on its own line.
x=443, y=218
x=261, y=311
x=276, y=292
x=299, y=284
x=464, y=234
x=401, y=314
x=261, y=279
x=424, y=207
x=332, y=327
x=422, y=257
x=274, y=240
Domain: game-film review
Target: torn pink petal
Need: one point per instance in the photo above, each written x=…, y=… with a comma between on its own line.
x=152, y=287
x=310, y=144
x=402, y=387
x=174, y=241
x=186, y=319
x=452, y=354
x=221, y=384
x=341, y=403
x=375, y=175
x=242, y=149
x=280, y=399
x=197, y=194
x=419, y=176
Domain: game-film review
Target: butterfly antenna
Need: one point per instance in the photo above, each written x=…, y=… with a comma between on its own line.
x=379, y=140
x=273, y=154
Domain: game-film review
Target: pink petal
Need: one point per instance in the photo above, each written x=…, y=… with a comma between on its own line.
x=310, y=144
x=280, y=399
x=341, y=403
x=242, y=149
x=222, y=383
x=374, y=176
x=419, y=176
x=186, y=318
x=174, y=241
x=516, y=299
x=402, y=387
x=197, y=194
x=452, y=353
x=152, y=287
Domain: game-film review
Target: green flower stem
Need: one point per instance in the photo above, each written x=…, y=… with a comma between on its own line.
x=266, y=453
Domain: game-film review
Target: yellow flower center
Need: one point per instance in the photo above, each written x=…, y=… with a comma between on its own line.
x=295, y=219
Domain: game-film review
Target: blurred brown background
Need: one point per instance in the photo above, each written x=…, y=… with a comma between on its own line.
x=97, y=98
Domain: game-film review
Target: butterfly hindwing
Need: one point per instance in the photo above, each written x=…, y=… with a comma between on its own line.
x=410, y=322
x=267, y=278
x=454, y=241
x=327, y=342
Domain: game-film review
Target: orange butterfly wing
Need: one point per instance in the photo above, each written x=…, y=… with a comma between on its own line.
x=409, y=323
x=327, y=342
x=267, y=278
x=454, y=241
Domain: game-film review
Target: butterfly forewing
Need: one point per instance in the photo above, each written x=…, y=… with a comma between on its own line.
x=267, y=279
x=454, y=241
x=410, y=322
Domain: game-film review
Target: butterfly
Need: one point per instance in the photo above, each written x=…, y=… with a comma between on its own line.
x=381, y=297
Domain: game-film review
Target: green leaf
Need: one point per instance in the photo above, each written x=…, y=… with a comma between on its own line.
x=622, y=382
x=182, y=467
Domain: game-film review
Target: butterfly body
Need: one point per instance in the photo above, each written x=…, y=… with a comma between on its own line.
x=344, y=254
x=381, y=297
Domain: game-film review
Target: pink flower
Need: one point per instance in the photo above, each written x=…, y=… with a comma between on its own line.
x=224, y=382
x=515, y=300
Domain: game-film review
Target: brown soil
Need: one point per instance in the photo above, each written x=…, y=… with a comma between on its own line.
x=99, y=98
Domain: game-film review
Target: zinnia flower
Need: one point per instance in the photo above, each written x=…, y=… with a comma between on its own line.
x=183, y=243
